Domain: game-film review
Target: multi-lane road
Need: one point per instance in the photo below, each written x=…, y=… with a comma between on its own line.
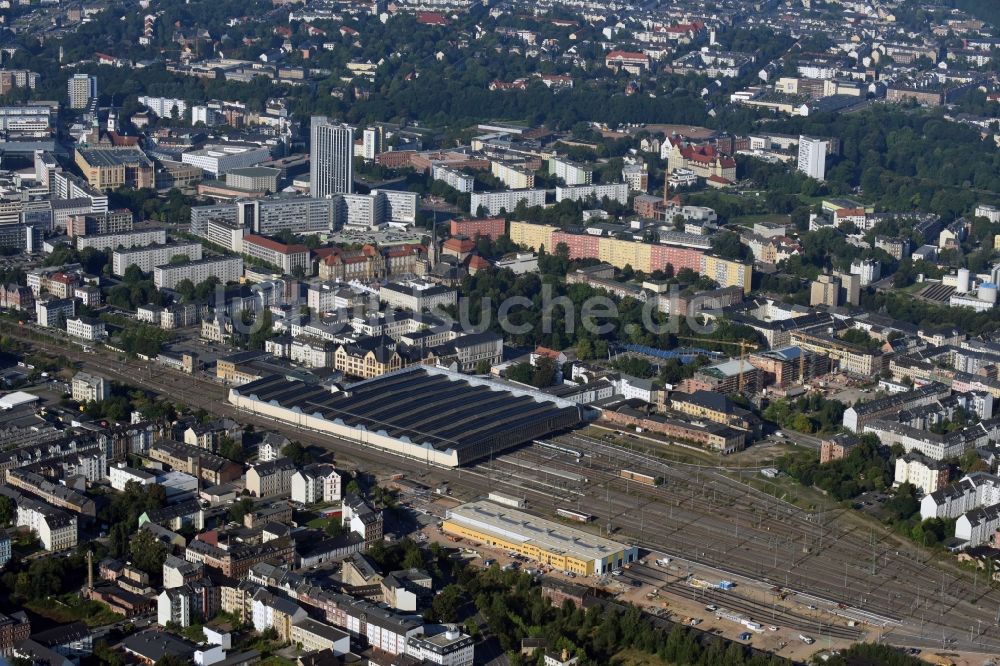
x=851, y=567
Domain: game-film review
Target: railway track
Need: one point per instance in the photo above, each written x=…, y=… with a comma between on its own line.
x=696, y=515
x=753, y=610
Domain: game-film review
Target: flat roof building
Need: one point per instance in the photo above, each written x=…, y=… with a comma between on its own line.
x=424, y=412
x=545, y=541
x=111, y=168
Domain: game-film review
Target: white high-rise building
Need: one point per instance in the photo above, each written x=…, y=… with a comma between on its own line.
x=331, y=155
x=372, y=144
x=164, y=107
x=82, y=87
x=812, y=157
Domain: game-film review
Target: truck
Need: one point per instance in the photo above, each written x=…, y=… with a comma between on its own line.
x=663, y=561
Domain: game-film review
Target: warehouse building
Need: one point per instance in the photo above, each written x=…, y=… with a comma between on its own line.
x=545, y=541
x=423, y=412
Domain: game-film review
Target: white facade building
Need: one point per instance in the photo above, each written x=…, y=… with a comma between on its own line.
x=54, y=312
x=812, y=157
x=121, y=474
x=56, y=529
x=448, y=648
x=493, y=203
x=924, y=474
x=86, y=328
x=970, y=492
x=463, y=182
x=978, y=526
x=226, y=269
x=174, y=605
x=82, y=88
x=371, y=143
x=164, y=107
x=88, y=387
x=614, y=191
x=868, y=270
x=123, y=239
x=331, y=158
x=149, y=257
x=991, y=213
x=316, y=483
x=220, y=158
x=571, y=172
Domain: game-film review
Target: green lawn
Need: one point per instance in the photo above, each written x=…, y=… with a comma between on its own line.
x=71, y=607
x=789, y=490
x=633, y=657
x=278, y=660
x=751, y=219
x=321, y=523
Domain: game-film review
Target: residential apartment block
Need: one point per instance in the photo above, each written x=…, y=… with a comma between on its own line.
x=225, y=269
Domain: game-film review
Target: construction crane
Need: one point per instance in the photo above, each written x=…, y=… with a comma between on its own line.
x=744, y=345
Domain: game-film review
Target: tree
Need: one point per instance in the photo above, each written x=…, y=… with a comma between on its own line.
x=118, y=539
x=483, y=367
x=230, y=448
x=448, y=603
x=413, y=559
x=8, y=510
x=132, y=274
x=545, y=372
x=297, y=453
x=106, y=656
x=147, y=552
x=521, y=372
x=240, y=509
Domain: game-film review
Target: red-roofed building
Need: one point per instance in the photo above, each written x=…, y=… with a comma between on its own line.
x=631, y=61
x=484, y=227
x=431, y=18
x=105, y=59
x=403, y=258
x=477, y=263
x=856, y=215
x=460, y=247
x=704, y=160
x=344, y=265
x=287, y=257
x=544, y=352
x=684, y=33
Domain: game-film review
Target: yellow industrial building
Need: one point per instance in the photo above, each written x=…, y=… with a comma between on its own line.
x=550, y=543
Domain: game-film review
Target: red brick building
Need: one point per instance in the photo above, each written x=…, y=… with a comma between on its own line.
x=485, y=227
x=678, y=257
x=16, y=297
x=14, y=628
